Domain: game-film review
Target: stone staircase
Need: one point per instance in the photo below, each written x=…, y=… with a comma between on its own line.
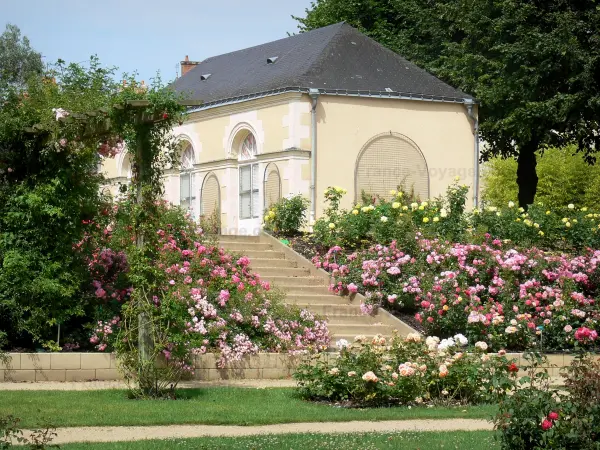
x=285, y=273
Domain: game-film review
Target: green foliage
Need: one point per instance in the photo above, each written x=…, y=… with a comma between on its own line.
x=533, y=65
x=287, y=216
x=11, y=434
x=408, y=371
x=566, y=228
x=564, y=177
x=18, y=61
x=538, y=417
x=384, y=221
x=49, y=189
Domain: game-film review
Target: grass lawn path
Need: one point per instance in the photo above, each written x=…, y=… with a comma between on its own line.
x=121, y=434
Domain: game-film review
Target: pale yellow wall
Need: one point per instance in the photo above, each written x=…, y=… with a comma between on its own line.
x=345, y=124
x=442, y=131
x=109, y=167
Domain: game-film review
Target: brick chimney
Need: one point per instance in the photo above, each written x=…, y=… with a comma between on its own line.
x=187, y=65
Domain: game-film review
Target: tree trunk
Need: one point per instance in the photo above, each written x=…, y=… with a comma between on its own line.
x=527, y=178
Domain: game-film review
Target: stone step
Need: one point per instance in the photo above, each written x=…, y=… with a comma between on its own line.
x=356, y=329
x=316, y=299
x=352, y=320
x=271, y=272
x=305, y=289
x=259, y=263
x=286, y=281
x=235, y=237
x=236, y=246
x=263, y=254
x=349, y=338
x=330, y=310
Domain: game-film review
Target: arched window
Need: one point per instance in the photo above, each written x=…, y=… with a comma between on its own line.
x=272, y=187
x=186, y=164
x=390, y=161
x=210, y=203
x=248, y=148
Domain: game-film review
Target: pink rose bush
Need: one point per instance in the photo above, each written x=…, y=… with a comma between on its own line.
x=510, y=298
x=410, y=371
x=205, y=298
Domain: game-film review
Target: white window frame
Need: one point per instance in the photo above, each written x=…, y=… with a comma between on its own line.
x=253, y=191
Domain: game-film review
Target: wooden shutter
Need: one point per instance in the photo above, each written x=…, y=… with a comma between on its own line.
x=210, y=196
x=388, y=161
x=272, y=186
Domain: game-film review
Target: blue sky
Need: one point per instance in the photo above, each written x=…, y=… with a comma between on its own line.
x=148, y=35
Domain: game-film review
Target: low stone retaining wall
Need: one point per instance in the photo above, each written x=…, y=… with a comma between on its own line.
x=99, y=366
x=32, y=367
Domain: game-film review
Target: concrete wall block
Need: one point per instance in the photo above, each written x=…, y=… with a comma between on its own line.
x=65, y=361
x=95, y=360
x=14, y=362
x=51, y=375
x=200, y=374
x=108, y=375
x=555, y=372
x=289, y=362
x=244, y=363
x=81, y=375
x=113, y=361
x=568, y=359
x=206, y=361
x=267, y=360
x=39, y=361
x=557, y=360
x=19, y=375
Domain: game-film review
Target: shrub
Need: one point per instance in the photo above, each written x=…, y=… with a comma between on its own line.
x=49, y=188
x=538, y=417
x=11, y=434
x=565, y=228
x=398, y=219
x=287, y=216
x=194, y=298
x=564, y=177
x=490, y=291
x=408, y=371
x=211, y=224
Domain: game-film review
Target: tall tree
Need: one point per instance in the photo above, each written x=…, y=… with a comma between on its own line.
x=18, y=61
x=534, y=65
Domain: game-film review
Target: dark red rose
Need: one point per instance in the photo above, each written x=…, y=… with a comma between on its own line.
x=546, y=424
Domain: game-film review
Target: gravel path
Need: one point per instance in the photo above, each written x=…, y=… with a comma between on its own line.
x=98, y=385
x=114, y=434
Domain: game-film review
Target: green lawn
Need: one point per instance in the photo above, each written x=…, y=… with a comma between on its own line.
x=215, y=406
x=464, y=440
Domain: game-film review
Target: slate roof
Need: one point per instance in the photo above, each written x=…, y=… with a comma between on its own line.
x=333, y=59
